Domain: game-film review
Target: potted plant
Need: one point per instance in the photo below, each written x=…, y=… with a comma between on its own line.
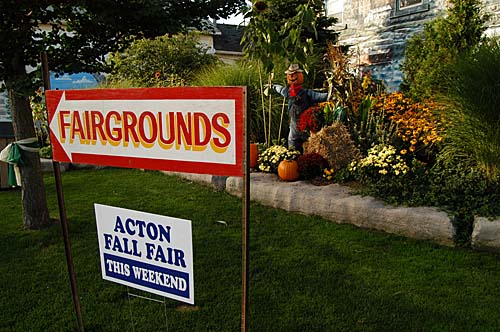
x=270, y=159
x=254, y=155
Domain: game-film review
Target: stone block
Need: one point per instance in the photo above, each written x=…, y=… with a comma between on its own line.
x=486, y=234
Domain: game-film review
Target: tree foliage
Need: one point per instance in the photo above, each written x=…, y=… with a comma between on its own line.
x=80, y=33
x=296, y=31
x=439, y=44
x=77, y=35
x=162, y=61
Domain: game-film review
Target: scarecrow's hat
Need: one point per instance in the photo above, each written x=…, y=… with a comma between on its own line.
x=294, y=68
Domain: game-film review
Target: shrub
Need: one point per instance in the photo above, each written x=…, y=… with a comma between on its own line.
x=311, y=165
x=163, y=61
x=440, y=43
x=334, y=143
x=372, y=127
x=462, y=188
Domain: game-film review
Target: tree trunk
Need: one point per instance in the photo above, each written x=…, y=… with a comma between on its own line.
x=34, y=200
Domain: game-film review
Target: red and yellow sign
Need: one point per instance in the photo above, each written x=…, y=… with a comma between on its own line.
x=196, y=130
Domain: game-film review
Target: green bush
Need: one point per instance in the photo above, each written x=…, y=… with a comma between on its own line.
x=456, y=188
x=162, y=61
x=440, y=43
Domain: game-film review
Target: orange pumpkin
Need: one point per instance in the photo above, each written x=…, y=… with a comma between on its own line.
x=254, y=155
x=288, y=170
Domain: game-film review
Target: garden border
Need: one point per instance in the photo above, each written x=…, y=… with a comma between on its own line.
x=339, y=204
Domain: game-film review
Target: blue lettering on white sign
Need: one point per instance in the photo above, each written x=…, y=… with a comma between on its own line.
x=147, y=275
x=146, y=251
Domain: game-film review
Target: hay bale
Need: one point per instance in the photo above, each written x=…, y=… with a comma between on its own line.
x=335, y=144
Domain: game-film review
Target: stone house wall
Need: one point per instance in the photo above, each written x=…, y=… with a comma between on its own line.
x=377, y=30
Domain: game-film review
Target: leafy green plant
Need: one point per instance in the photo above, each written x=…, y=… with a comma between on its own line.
x=472, y=91
x=278, y=33
x=441, y=42
x=374, y=128
x=332, y=113
x=287, y=30
x=162, y=61
x=459, y=187
x=245, y=73
x=454, y=187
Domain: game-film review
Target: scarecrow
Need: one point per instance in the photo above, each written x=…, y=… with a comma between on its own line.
x=299, y=100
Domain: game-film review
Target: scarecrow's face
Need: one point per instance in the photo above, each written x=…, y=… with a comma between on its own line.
x=296, y=78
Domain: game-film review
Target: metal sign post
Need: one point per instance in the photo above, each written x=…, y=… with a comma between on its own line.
x=245, y=232
x=62, y=215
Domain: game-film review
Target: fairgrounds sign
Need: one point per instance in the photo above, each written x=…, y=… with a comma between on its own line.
x=193, y=129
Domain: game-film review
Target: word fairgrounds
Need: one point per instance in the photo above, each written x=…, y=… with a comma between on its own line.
x=189, y=131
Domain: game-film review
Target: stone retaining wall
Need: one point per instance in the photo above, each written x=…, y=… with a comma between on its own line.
x=338, y=204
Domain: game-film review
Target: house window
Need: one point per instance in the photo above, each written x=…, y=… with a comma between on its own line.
x=408, y=7
x=335, y=8
x=408, y=3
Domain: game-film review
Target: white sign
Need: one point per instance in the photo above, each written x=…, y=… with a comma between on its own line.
x=189, y=129
x=146, y=251
x=127, y=128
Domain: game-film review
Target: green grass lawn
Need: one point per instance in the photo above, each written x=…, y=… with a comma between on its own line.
x=307, y=274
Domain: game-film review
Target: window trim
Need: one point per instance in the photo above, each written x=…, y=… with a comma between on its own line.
x=341, y=20
x=409, y=10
